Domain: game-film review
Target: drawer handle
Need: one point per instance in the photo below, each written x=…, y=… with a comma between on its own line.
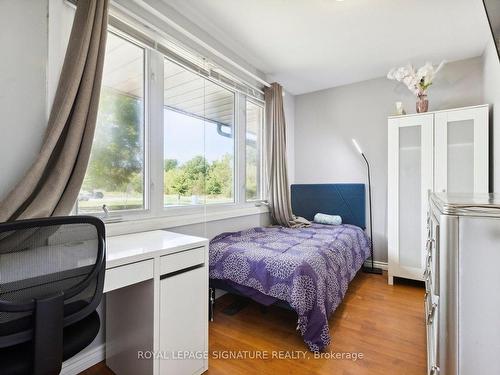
x=427, y=286
x=430, y=317
x=429, y=244
x=427, y=273
x=182, y=270
x=435, y=370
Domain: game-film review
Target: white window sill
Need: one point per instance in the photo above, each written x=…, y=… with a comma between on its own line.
x=165, y=222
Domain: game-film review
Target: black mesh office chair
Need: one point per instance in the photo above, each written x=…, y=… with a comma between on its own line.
x=51, y=282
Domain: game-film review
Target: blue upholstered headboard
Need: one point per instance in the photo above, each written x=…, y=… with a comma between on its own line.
x=346, y=200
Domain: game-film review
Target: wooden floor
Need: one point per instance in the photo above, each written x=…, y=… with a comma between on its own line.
x=384, y=323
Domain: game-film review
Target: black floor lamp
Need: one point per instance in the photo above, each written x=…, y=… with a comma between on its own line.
x=371, y=269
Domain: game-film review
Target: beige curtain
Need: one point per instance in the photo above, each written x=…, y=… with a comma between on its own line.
x=51, y=185
x=278, y=193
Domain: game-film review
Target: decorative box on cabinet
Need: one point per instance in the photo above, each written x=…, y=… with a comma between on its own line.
x=445, y=151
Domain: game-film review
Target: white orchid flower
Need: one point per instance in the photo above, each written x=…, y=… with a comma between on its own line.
x=417, y=81
x=425, y=71
x=409, y=81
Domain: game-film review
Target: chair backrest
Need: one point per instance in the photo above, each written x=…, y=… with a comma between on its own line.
x=62, y=257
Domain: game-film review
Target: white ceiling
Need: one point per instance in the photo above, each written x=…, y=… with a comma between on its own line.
x=309, y=45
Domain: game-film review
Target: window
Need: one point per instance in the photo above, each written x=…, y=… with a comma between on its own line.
x=198, y=142
x=115, y=174
x=253, y=151
x=174, y=134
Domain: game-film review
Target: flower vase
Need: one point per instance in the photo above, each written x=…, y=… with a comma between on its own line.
x=422, y=103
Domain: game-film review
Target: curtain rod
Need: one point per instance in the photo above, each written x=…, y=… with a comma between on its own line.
x=186, y=33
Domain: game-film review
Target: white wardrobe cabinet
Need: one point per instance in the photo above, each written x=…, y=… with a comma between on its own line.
x=444, y=151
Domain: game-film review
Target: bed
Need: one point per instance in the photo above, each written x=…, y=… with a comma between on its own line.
x=307, y=269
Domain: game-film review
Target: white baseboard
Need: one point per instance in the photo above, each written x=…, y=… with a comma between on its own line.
x=376, y=264
x=84, y=360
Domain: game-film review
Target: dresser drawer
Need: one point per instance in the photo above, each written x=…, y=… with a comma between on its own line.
x=179, y=261
x=128, y=274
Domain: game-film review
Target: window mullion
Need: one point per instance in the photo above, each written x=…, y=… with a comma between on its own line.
x=240, y=141
x=155, y=126
x=263, y=156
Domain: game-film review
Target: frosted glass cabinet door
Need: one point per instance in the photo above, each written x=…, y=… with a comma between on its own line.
x=409, y=195
x=461, y=150
x=410, y=180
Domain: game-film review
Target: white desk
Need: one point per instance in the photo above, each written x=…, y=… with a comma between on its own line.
x=156, y=303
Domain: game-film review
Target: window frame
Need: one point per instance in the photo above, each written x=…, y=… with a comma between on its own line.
x=188, y=209
x=261, y=105
x=153, y=139
x=113, y=216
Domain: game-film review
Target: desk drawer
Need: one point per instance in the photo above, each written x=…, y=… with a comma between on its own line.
x=178, y=261
x=128, y=274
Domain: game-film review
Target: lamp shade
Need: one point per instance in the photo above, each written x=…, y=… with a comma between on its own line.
x=357, y=146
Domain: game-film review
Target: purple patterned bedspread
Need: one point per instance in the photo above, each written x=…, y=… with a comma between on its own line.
x=310, y=268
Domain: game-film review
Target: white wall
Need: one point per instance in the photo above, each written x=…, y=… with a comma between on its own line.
x=491, y=76
x=23, y=93
x=327, y=120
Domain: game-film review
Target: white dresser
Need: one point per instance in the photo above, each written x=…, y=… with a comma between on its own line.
x=443, y=151
x=462, y=302
x=156, y=287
